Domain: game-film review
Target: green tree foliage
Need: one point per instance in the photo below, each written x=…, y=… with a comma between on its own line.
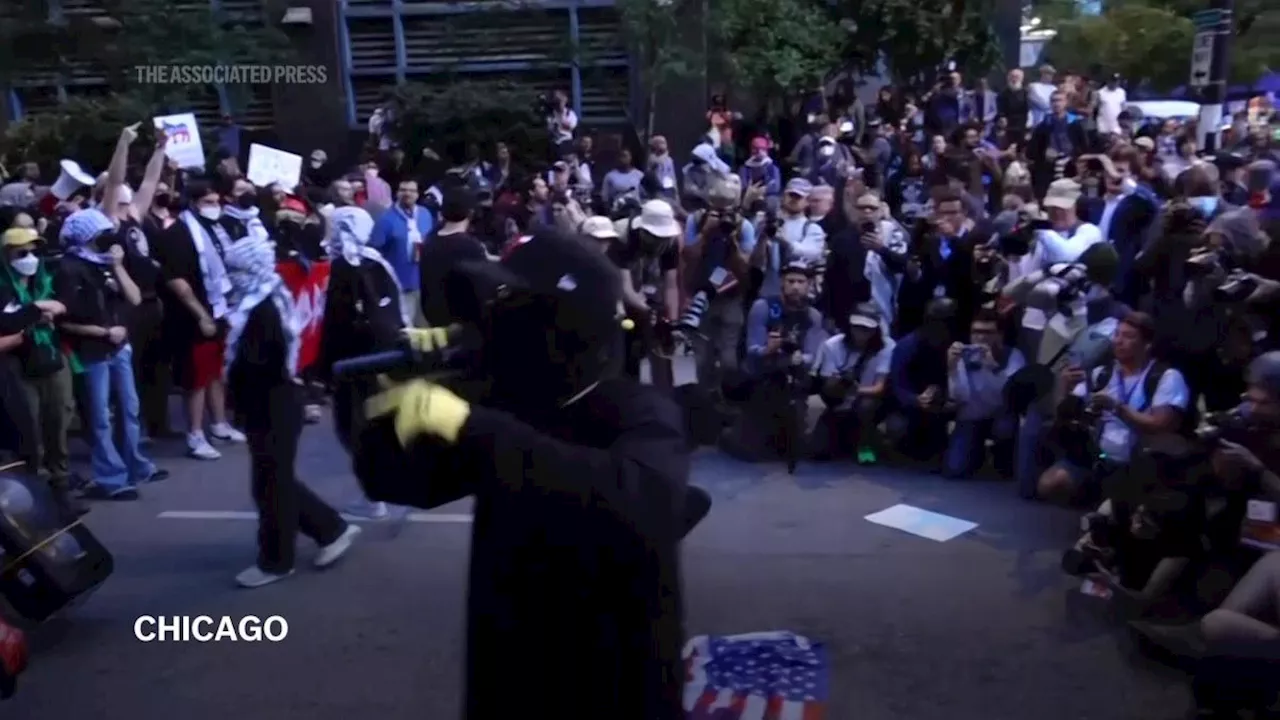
x=1149, y=41
x=915, y=38
x=110, y=46
x=776, y=47
x=1134, y=41
x=661, y=50
x=455, y=114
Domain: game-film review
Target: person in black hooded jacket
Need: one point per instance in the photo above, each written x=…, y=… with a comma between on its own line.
x=580, y=483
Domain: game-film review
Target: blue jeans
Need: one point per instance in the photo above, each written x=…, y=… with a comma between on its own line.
x=965, y=447
x=115, y=375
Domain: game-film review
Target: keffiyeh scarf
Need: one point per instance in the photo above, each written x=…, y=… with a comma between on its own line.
x=251, y=267
x=253, y=225
x=349, y=239
x=212, y=269
x=80, y=229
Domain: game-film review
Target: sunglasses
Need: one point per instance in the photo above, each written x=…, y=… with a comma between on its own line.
x=868, y=208
x=19, y=254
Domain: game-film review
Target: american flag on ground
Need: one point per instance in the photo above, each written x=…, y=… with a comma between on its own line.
x=758, y=676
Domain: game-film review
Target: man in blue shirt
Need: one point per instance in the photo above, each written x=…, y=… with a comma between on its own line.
x=1119, y=393
x=918, y=383
x=398, y=235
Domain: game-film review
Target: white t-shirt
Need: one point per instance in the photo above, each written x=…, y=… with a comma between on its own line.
x=1110, y=104
x=562, y=131
x=1117, y=438
x=1053, y=247
x=835, y=358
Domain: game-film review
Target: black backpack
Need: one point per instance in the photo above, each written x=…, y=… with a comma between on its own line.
x=1149, y=385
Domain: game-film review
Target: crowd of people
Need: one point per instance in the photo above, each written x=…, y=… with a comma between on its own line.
x=883, y=258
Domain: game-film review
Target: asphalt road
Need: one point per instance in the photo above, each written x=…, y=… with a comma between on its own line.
x=980, y=627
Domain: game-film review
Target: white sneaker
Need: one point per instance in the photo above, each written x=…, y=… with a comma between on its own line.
x=311, y=414
x=198, y=447
x=256, y=577
x=331, y=553
x=368, y=511
x=226, y=433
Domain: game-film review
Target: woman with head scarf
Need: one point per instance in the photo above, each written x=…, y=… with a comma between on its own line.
x=100, y=296
x=261, y=370
x=362, y=315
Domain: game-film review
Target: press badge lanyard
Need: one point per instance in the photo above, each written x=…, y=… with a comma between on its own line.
x=1124, y=396
x=1137, y=382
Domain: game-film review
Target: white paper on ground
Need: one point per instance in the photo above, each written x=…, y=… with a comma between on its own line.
x=923, y=523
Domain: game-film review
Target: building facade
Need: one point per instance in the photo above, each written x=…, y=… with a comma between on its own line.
x=370, y=46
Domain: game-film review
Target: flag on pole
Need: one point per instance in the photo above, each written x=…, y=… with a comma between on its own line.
x=757, y=676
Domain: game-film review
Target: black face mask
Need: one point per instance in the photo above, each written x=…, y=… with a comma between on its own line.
x=163, y=200
x=247, y=200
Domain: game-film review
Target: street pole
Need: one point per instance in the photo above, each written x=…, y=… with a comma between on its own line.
x=1213, y=96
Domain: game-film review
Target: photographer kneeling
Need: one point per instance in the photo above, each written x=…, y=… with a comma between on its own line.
x=1133, y=396
x=853, y=370
x=784, y=336
x=977, y=374
x=1243, y=633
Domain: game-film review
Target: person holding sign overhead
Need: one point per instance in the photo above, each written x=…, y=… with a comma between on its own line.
x=398, y=235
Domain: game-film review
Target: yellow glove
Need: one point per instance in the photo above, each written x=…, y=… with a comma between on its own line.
x=427, y=340
x=420, y=408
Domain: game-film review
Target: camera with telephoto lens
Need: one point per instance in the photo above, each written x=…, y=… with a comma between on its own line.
x=729, y=222
x=692, y=317
x=1230, y=425
x=1236, y=288
x=790, y=343
x=771, y=223
x=1090, y=556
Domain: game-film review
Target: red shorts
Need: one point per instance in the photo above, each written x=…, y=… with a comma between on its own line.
x=201, y=364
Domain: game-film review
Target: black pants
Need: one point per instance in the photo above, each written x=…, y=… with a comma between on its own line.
x=151, y=367
x=19, y=436
x=839, y=433
x=285, y=505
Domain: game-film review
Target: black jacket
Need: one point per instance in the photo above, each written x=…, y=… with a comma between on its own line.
x=574, y=599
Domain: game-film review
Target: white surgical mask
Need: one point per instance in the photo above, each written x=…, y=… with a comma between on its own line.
x=26, y=265
x=211, y=212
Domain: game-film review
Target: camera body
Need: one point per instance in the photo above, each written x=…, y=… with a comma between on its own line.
x=1231, y=426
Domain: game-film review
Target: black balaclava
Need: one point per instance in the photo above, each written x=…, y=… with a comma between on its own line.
x=536, y=361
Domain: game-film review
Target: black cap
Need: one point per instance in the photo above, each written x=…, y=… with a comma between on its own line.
x=561, y=266
x=796, y=267
x=1227, y=161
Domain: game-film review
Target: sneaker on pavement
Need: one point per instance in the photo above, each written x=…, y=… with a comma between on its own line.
x=102, y=492
x=311, y=414
x=256, y=577
x=368, y=511
x=226, y=433
x=198, y=447
x=158, y=475
x=331, y=553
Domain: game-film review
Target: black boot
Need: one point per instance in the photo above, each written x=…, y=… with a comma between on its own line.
x=65, y=498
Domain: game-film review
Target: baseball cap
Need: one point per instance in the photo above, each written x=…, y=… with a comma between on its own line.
x=799, y=187
x=864, y=317
x=599, y=227
x=1145, y=143
x=795, y=266
x=1062, y=194
x=19, y=236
